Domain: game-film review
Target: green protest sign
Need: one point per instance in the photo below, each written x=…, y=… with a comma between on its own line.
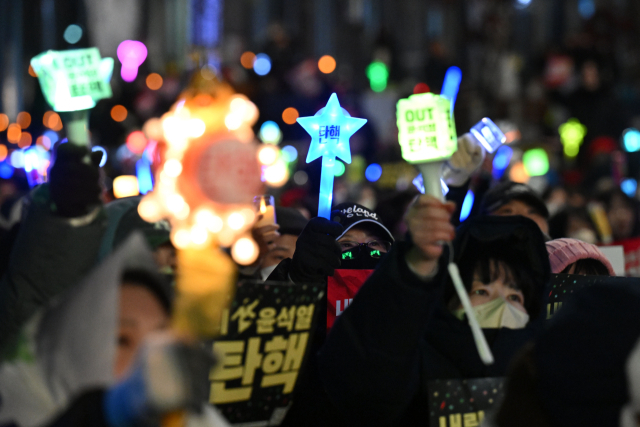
x=73, y=79
x=426, y=130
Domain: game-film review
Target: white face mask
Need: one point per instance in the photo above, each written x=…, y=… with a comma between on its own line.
x=266, y=272
x=497, y=314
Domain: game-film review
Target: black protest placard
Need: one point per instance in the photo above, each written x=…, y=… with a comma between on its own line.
x=463, y=403
x=563, y=286
x=265, y=337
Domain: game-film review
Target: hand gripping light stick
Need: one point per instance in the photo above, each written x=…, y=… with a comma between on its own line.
x=427, y=136
x=330, y=129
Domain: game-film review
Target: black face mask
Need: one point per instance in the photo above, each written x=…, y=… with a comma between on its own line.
x=360, y=258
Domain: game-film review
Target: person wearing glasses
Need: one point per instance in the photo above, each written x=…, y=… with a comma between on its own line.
x=353, y=239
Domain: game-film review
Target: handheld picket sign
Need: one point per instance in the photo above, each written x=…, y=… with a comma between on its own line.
x=330, y=129
x=427, y=136
x=73, y=81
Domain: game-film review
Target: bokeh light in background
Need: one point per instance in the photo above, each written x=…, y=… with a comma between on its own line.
x=518, y=173
x=270, y=132
x=290, y=153
x=4, y=122
x=44, y=142
x=3, y=152
x=378, y=74
x=103, y=160
x=14, y=132
x=52, y=120
x=268, y=154
x=421, y=88
x=373, y=172
x=52, y=136
x=17, y=159
x=6, y=170
x=631, y=140
x=32, y=72
x=131, y=54
x=125, y=186
x=289, y=115
x=522, y=4
x=154, y=81
x=262, y=64
x=24, y=119
x=327, y=64
x=72, y=34
x=247, y=59
x=536, y=162
x=25, y=140
x=339, y=168
x=300, y=178
x=136, y=142
x=467, y=205
x=119, y=113
x=629, y=186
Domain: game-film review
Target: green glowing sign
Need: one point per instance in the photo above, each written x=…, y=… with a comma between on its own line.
x=426, y=130
x=347, y=255
x=536, y=162
x=375, y=254
x=75, y=79
x=378, y=74
x=572, y=134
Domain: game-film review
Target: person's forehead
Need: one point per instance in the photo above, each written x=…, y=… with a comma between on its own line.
x=362, y=231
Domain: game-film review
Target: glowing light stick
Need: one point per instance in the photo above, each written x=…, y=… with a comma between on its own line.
x=330, y=129
x=572, y=134
x=131, y=54
x=74, y=81
x=451, y=84
x=427, y=136
x=488, y=134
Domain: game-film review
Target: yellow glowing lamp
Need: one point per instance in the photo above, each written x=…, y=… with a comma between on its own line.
x=125, y=186
x=572, y=135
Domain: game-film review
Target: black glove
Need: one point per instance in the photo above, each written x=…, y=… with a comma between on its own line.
x=317, y=253
x=74, y=184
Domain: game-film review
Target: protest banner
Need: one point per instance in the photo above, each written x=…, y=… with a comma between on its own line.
x=341, y=288
x=265, y=337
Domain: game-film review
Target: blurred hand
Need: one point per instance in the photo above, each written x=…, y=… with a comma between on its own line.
x=73, y=181
x=429, y=222
x=265, y=237
x=317, y=253
x=464, y=162
x=169, y=374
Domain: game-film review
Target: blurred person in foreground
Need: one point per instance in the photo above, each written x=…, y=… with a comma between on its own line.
x=406, y=325
x=104, y=354
x=572, y=256
x=291, y=223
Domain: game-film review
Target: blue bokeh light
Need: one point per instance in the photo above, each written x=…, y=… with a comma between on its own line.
x=467, y=205
x=6, y=170
x=373, y=172
x=290, y=153
x=631, y=140
x=262, y=64
x=629, y=186
x=145, y=179
x=103, y=161
x=270, y=132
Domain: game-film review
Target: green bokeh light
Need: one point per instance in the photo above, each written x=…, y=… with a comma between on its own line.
x=536, y=162
x=378, y=74
x=339, y=168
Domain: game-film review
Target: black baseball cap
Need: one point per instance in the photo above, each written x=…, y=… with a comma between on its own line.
x=505, y=192
x=352, y=214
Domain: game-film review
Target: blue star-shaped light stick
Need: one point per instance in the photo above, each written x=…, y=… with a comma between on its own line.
x=330, y=130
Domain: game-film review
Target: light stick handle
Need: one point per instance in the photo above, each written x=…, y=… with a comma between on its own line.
x=431, y=179
x=77, y=124
x=478, y=336
x=326, y=187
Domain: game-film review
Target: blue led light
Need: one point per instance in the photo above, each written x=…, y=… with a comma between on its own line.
x=467, y=205
x=501, y=160
x=52, y=135
x=488, y=134
x=629, y=186
x=373, y=172
x=452, y=79
x=330, y=130
x=17, y=159
x=103, y=161
x=6, y=170
x=290, y=153
x=631, y=140
x=262, y=64
x=586, y=8
x=143, y=172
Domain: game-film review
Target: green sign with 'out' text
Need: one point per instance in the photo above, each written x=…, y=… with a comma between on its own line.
x=73, y=79
x=426, y=130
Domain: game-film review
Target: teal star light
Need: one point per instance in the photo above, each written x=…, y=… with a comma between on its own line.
x=330, y=129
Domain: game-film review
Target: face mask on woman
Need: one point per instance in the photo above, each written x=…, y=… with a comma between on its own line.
x=497, y=314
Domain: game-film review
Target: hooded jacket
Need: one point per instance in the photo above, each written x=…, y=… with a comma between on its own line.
x=398, y=334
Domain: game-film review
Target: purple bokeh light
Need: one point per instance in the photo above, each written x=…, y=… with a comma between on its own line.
x=131, y=54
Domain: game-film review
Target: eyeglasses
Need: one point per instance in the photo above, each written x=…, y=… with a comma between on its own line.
x=351, y=250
